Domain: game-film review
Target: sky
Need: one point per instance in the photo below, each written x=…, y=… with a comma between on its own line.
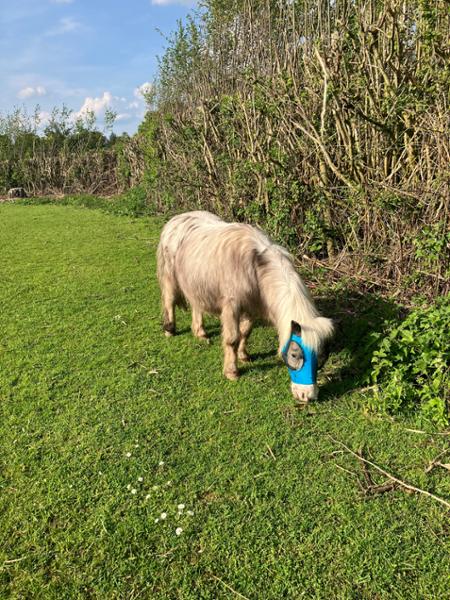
x=86, y=54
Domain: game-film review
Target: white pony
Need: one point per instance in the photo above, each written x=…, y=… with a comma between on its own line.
x=235, y=271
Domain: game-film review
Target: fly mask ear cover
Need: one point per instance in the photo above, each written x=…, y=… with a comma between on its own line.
x=306, y=372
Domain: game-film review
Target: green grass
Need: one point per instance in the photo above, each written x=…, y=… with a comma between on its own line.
x=86, y=377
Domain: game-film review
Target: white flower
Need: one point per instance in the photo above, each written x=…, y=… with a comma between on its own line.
x=181, y=507
x=155, y=487
x=128, y=454
x=134, y=491
x=163, y=516
x=161, y=462
x=190, y=513
x=141, y=479
x=156, y=520
x=129, y=486
x=179, y=530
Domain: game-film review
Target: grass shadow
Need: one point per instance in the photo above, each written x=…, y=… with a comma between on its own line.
x=357, y=318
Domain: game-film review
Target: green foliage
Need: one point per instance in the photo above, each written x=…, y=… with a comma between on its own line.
x=148, y=137
x=432, y=246
x=132, y=203
x=315, y=230
x=411, y=365
x=178, y=66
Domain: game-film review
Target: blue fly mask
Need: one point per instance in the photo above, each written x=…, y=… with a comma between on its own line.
x=300, y=360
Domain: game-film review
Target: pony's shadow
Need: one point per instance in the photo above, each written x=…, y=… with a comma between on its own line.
x=212, y=332
x=254, y=356
x=359, y=319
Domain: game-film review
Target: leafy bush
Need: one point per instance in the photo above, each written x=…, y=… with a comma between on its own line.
x=411, y=365
x=133, y=203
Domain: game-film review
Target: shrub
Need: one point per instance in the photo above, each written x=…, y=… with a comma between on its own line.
x=133, y=203
x=411, y=365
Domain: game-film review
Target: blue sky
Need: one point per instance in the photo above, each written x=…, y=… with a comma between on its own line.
x=88, y=54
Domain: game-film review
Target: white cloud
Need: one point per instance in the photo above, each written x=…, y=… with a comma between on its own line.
x=122, y=116
x=29, y=91
x=143, y=89
x=118, y=104
x=129, y=111
x=96, y=105
x=65, y=25
x=44, y=118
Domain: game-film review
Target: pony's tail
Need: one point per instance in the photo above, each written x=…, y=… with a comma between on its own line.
x=160, y=263
x=165, y=270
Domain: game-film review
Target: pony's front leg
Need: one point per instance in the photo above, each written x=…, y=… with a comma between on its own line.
x=197, y=324
x=230, y=339
x=245, y=328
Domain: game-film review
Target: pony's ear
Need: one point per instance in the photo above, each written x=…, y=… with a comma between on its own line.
x=295, y=328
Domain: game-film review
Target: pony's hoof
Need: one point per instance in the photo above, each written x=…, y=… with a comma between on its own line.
x=245, y=358
x=231, y=375
x=169, y=329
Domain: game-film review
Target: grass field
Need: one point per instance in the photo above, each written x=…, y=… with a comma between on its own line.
x=105, y=424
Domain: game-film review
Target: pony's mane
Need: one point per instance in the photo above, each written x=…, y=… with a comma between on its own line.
x=287, y=299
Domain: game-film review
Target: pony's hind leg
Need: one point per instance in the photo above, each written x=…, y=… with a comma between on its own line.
x=168, y=301
x=230, y=339
x=197, y=324
x=245, y=328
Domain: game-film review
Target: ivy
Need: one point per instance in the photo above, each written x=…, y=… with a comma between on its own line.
x=411, y=365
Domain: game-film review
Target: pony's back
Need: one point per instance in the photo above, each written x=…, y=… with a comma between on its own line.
x=212, y=260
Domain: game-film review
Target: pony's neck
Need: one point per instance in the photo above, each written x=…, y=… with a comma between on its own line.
x=287, y=299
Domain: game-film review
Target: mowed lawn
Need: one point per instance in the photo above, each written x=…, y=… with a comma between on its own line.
x=105, y=424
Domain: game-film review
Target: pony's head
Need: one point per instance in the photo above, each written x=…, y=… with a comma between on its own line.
x=302, y=362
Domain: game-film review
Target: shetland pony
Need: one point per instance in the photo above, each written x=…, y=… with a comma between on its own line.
x=235, y=271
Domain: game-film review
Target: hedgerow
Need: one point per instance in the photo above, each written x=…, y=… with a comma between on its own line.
x=411, y=365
